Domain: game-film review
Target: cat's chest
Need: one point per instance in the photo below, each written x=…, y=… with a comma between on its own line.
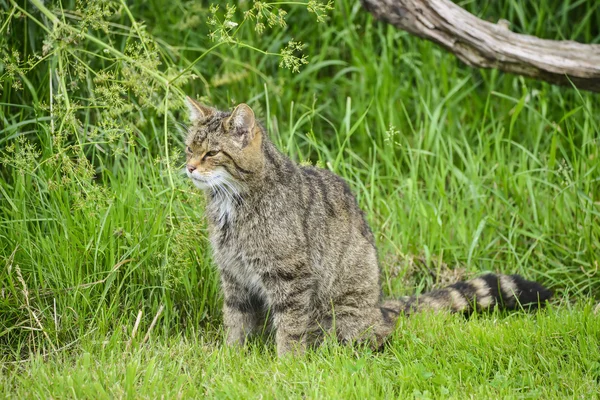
x=222, y=211
x=253, y=243
x=240, y=264
x=238, y=253
x=254, y=232
x=246, y=261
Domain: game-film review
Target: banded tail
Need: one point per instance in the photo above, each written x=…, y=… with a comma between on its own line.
x=507, y=291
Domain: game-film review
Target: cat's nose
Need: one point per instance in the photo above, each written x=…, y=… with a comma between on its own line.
x=191, y=168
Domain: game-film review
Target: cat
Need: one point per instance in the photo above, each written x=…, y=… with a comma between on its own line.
x=291, y=243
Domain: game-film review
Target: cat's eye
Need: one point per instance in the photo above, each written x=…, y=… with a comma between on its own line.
x=211, y=153
x=188, y=149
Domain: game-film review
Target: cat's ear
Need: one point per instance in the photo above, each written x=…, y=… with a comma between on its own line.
x=241, y=123
x=197, y=110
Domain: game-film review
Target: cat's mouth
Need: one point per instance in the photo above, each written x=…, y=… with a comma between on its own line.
x=216, y=180
x=203, y=181
x=200, y=183
x=196, y=177
x=199, y=179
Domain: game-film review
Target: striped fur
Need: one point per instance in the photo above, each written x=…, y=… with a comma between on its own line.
x=294, y=249
x=488, y=291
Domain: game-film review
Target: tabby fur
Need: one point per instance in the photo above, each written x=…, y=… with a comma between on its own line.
x=294, y=249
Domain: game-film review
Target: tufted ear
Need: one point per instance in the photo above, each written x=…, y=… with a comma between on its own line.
x=241, y=118
x=197, y=110
x=241, y=123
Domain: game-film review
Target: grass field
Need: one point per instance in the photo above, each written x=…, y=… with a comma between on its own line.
x=107, y=287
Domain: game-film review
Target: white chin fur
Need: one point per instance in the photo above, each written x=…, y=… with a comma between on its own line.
x=200, y=184
x=225, y=189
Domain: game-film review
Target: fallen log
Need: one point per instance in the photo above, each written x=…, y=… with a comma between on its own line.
x=483, y=44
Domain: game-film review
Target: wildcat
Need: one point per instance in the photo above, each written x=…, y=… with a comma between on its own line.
x=291, y=243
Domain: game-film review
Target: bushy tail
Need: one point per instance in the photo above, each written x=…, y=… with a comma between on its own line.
x=484, y=292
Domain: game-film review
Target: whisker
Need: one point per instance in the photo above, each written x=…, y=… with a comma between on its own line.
x=226, y=194
x=182, y=125
x=234, y=189
x=231, y=188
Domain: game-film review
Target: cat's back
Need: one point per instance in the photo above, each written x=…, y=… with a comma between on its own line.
x=329, y=197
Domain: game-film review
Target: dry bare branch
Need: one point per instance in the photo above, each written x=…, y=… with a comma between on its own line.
x=483, y=44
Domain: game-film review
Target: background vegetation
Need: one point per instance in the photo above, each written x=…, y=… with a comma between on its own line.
x=106, y=281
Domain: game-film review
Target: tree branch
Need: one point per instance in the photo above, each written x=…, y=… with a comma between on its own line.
x=483, y=44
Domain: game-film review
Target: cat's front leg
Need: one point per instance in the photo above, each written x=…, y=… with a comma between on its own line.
x=290, y=304
x=243, y=311
x=239, y=324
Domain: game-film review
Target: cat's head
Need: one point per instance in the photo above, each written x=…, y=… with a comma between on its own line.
x=222, y=148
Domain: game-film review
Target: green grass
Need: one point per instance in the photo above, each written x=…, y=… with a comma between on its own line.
x=458, y=170
x=551, y=355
